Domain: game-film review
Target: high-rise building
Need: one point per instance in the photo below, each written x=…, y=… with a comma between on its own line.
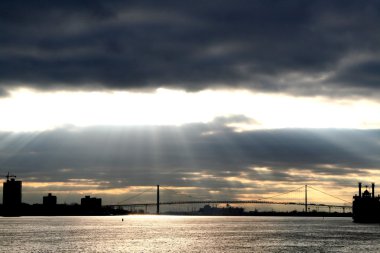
x=91, y=203
x=12, y=192
x=49, y=200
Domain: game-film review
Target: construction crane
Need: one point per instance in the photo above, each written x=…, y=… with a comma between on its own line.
x=8, y=176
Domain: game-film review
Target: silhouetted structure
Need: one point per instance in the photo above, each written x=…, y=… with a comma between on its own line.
x=12, y=192
x=229, y=210
x=49, y=200
x=12, y=205
x=366, y=207
x=89, y=203
x=158, y=200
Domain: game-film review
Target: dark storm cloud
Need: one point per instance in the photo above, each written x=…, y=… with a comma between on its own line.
x=261, y=45
x=189, y=155
x=366, y=73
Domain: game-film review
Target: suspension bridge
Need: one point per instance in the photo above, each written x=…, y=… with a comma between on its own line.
x=281, y=199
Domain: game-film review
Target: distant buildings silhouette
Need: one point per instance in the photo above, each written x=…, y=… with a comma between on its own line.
x=13, y=206
x=229, y=210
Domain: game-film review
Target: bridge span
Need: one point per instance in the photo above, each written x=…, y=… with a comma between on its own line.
x=225, y=202
x=305, y=203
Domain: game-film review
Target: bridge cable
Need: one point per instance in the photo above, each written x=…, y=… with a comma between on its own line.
x=134, y=196
x=329, y=194
x=179, y=193
x=282, y=193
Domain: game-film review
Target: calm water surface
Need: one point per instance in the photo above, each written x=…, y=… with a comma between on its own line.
x=186, y=234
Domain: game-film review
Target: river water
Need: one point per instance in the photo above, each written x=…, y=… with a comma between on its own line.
x=186, y=234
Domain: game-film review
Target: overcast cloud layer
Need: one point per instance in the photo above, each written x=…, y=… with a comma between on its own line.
x=201, y=155
x=299, y=47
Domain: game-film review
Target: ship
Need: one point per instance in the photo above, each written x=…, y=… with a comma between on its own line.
x=366, y=206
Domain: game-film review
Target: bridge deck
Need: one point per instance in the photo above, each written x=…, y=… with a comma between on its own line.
x=228, y=202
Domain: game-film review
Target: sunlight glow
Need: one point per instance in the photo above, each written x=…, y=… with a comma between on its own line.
x=28, y=110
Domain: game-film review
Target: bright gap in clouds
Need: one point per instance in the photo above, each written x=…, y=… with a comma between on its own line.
x=28, y=110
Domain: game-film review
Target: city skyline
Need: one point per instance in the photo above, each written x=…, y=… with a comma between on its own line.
x=216, y=99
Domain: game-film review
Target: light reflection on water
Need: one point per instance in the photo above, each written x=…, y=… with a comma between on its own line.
x=186, y=234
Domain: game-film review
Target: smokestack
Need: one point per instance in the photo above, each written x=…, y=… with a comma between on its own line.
x=373, y=190
x=360, y=190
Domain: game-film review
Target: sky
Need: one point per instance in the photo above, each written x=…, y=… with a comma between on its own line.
x=220, y=99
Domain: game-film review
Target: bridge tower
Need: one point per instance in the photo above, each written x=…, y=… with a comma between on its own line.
x=158, y=199
x=306, y=198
